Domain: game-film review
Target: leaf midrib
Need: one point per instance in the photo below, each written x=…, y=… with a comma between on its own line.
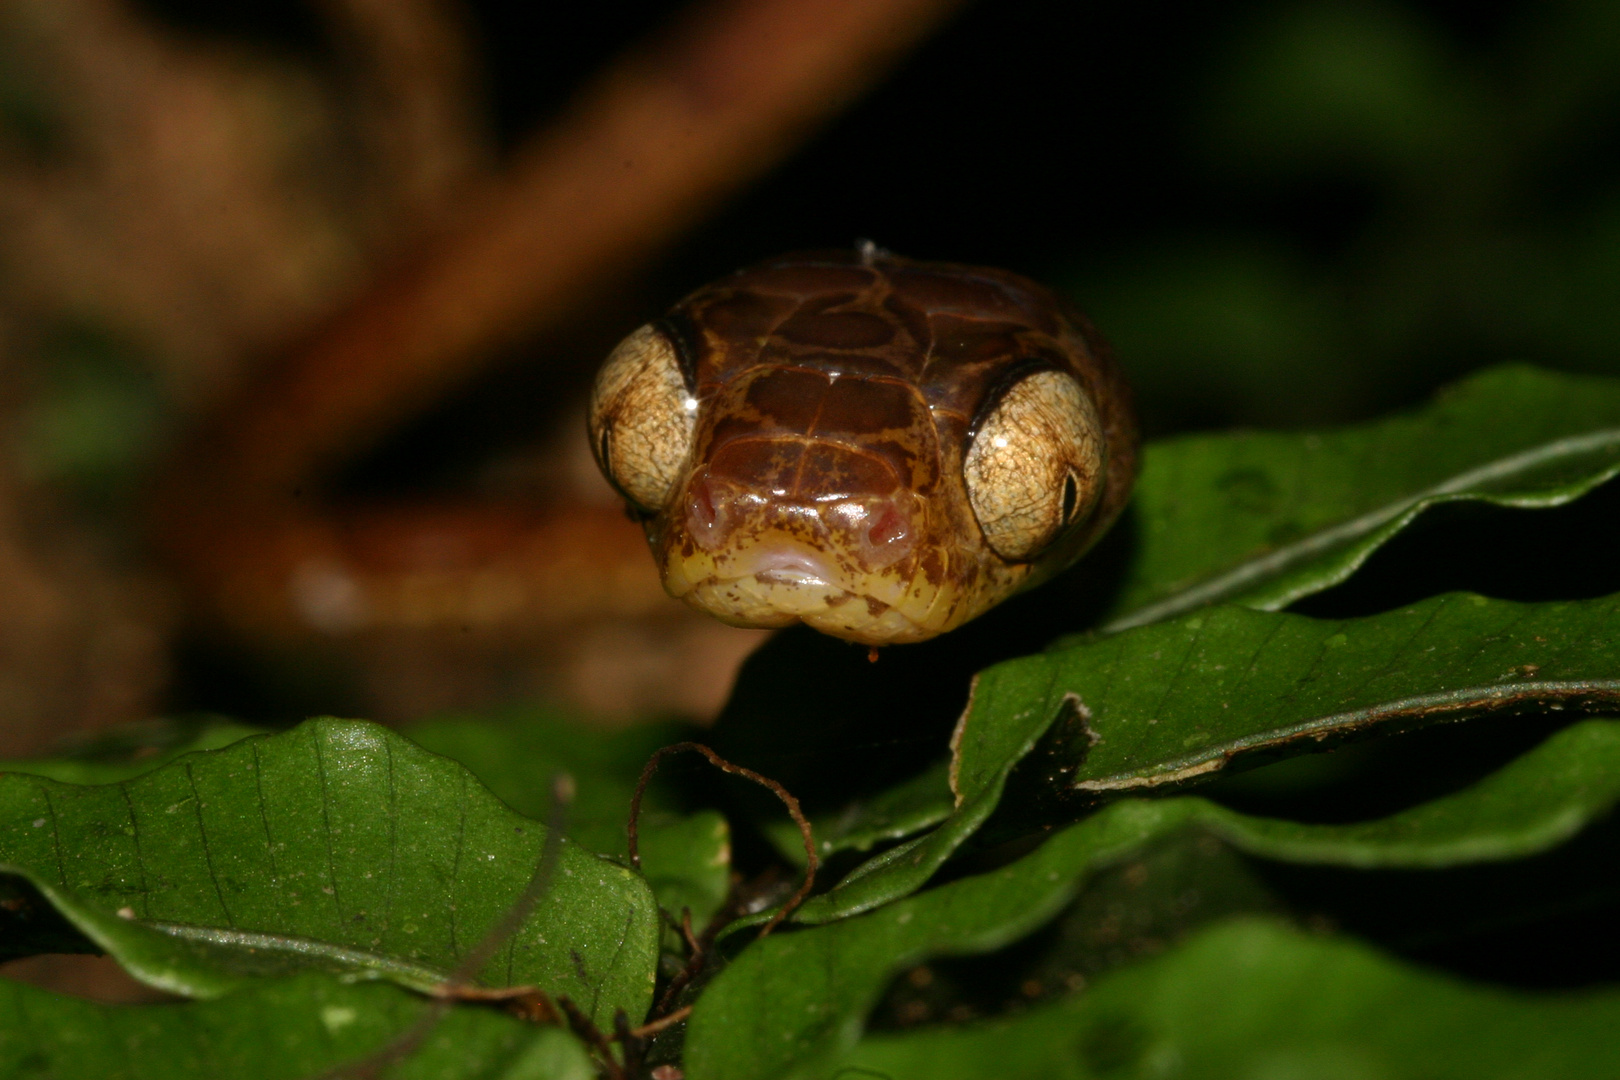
x=1272, y=564
x=1470, y=698
x=419, y=976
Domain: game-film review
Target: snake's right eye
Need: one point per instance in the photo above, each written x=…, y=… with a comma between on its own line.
x=641, y=418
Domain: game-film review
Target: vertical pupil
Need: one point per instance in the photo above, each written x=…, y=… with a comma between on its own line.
x=1071, y=496
x=602, y=447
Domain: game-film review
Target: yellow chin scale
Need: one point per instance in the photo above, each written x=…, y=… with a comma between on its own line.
x=880, y=608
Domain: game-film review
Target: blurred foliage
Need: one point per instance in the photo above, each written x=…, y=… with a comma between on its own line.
x=93, y=423
x=25, y=114
x=1389, y=205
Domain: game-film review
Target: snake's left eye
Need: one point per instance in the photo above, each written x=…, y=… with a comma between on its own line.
x=1036, y=464
x=641, y=418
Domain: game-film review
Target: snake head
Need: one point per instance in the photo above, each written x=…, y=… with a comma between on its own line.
x=879, y=448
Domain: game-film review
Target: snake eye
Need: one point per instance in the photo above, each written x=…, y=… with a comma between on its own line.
x=641, y=418
x=1035, y=465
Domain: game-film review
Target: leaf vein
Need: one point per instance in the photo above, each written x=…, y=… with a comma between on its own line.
x=56, y=836
x=140, y=857
x=455, y=868
x=264, y=820
x=391, y=886
x=326, y=822
x=1181, y=669
x=207, y=848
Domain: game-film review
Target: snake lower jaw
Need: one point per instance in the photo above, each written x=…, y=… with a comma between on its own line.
x=781, y=582
x=749, y=602
x=779, y=598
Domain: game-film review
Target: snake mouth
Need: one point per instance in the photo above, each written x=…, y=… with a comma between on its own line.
x=781, y=583
x=792, y=567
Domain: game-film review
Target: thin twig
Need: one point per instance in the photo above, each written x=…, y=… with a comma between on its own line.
x=748, y=774
x=686, y=931
x=698, y=944
x=629, y=1042
x=588, y=1031
x=653, y=1027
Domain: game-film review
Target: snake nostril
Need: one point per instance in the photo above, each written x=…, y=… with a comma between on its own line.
x=889, y=528
x=885, y=535
x=705, y=514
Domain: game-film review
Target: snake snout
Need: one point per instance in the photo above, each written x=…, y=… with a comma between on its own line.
x=876, y=531
x=842, y=563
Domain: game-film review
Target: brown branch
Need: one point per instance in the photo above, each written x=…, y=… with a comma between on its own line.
x=723, y=765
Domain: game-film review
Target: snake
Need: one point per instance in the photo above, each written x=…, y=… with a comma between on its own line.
x=880, y=448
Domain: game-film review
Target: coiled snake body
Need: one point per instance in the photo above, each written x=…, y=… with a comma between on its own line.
x=880, y=448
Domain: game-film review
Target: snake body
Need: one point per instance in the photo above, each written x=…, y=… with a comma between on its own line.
x=878, y=447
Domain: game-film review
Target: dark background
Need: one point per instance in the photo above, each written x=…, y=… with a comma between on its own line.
x=1282, y=214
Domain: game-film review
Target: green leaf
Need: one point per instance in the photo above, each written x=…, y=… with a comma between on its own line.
x=1535, y=802
x=94, y=768
x=1177, y=700
x=295, y=1028
x=794, y=1001
x=685, y=857
x=687, y=862
x=1268, y=518
x=984, y=753
x=338, y=845
x=517, y=752
x=1254, y=999
x=894, y=814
